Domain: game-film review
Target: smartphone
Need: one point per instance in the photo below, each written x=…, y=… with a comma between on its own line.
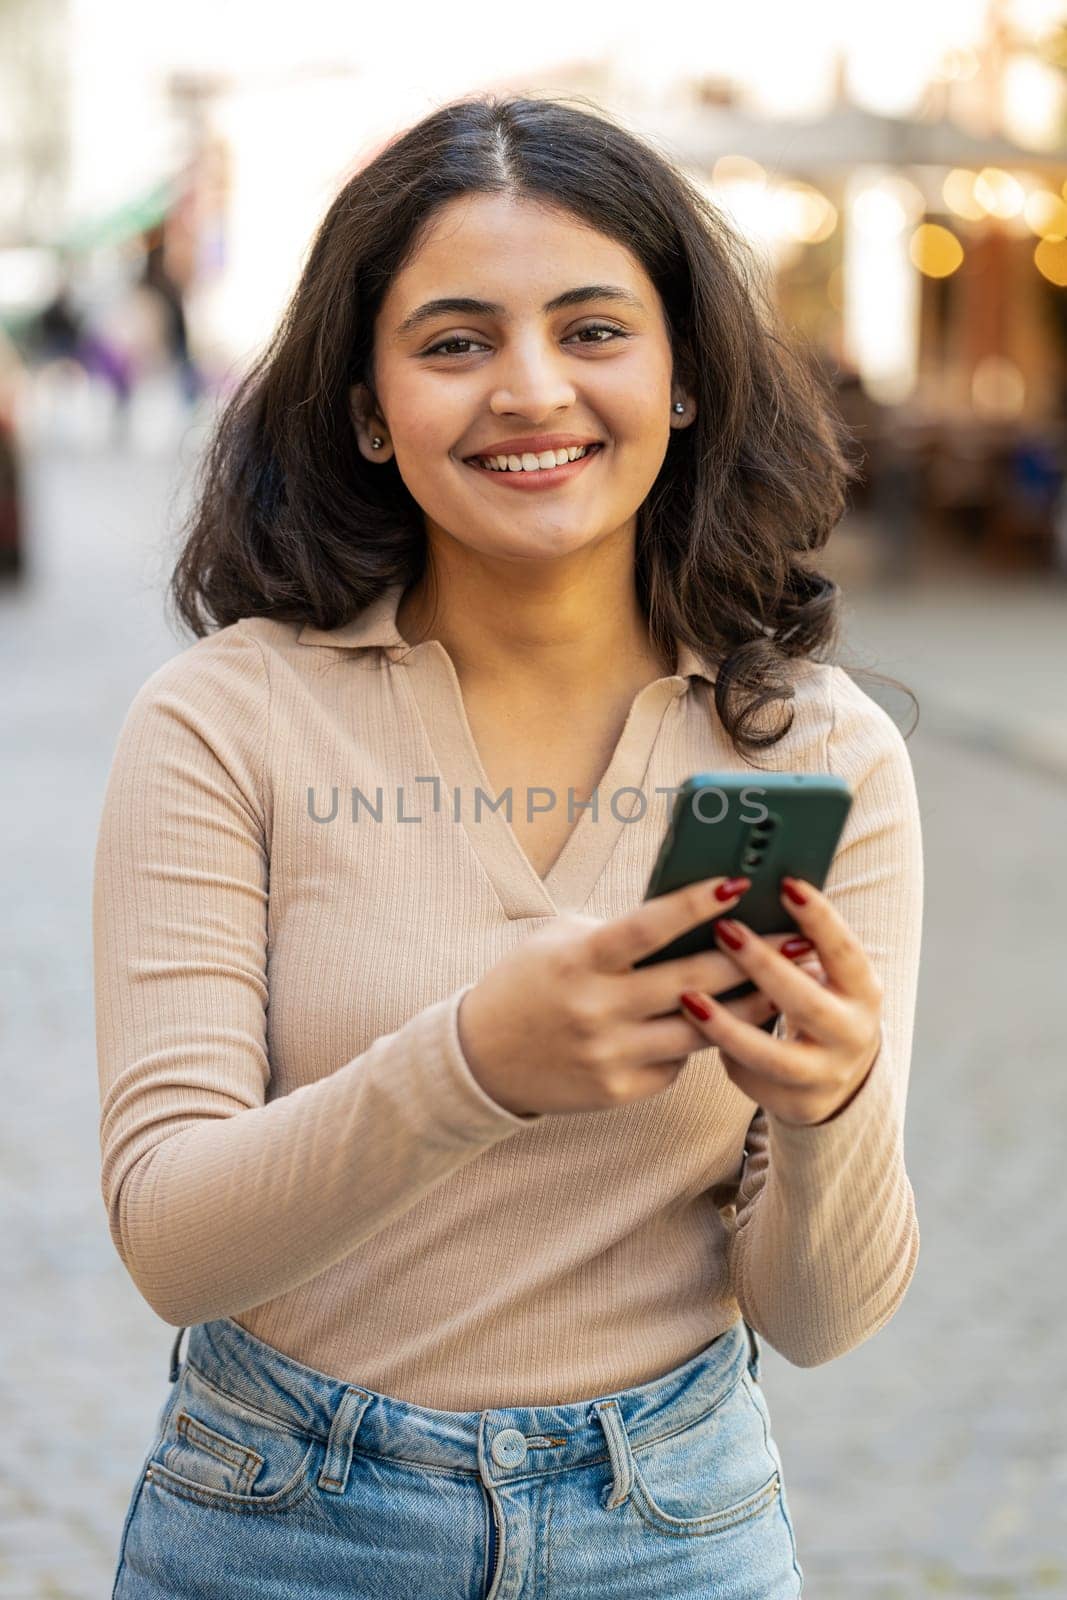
x=763, y=827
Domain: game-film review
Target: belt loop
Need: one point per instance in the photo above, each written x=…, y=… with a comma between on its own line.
x=622, y=1461
x=175, y=1364
x=754, y=1345
x=346, y=1420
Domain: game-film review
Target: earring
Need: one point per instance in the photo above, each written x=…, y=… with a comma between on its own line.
x=678, y=405
x=375, y=443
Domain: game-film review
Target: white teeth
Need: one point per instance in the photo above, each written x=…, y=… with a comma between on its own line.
x=528, y=462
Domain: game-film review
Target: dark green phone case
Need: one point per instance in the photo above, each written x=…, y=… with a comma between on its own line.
x=761, y=826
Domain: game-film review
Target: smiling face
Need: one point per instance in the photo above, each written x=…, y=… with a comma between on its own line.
x=458, y=382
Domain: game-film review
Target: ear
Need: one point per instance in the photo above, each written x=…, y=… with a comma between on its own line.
x=367, y=423
x=684, y=387
x=686, y=418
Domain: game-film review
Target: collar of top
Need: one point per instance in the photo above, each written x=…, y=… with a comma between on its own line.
x=375, y=627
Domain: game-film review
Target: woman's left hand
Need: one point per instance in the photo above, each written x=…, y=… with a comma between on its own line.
x=835, y=1018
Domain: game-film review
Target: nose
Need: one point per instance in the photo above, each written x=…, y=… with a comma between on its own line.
x=534, y=383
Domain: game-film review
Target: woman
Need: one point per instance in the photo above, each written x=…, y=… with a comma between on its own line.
x=471, y=1223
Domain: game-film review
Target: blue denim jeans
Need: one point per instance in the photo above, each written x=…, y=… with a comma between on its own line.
x=269, y=1478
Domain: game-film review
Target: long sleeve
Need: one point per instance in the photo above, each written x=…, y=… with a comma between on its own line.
x=825, y=1238
x=218, y=1197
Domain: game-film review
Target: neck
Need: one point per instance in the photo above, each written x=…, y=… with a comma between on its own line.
x=536, y=633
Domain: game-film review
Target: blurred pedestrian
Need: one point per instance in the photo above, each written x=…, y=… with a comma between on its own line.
x=157, y=280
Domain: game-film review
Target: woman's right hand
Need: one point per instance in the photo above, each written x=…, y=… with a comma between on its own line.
x=565, y=1023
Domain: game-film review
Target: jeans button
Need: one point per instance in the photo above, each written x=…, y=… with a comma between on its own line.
x=508, y=1448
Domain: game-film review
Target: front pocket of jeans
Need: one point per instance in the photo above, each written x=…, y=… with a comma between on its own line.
x=711, y=1475
x=220, y=1450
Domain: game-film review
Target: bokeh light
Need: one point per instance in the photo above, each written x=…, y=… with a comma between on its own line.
x=959, y=195
x=1050, y=259
x=958, y=66
x=807, y=214
x=1033, y=100
x=887, y=206
x=935, y=250
x=998, y=193
x=1046, y=214
x=738, y=169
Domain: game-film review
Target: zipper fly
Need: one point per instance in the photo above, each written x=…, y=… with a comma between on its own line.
x=492, y=1542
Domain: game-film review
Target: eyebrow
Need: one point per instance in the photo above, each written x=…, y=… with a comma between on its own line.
x=489, y=308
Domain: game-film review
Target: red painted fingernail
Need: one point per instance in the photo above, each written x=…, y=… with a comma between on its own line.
x=793, y=893
x=697, y=1007
x=732, y=887
x=797, y=947
x=730, y=933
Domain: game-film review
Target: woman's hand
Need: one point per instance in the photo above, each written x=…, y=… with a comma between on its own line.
x=835, y=1027
x=564, y=1022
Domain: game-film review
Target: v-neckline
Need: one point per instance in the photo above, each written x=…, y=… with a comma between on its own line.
x=569, y=882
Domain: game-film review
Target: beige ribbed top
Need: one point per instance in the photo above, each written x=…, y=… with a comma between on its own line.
x=292, y=893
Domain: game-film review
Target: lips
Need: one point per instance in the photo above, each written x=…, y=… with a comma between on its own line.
x=534, y=444
x=480, y=463
x=536, y=480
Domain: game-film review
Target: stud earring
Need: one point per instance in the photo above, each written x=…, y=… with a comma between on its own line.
x=678, y=405
x=375, y=443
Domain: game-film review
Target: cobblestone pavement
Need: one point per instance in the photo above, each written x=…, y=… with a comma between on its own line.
x=930, y=1461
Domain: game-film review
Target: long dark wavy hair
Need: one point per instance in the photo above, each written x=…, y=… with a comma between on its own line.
x=290, y=521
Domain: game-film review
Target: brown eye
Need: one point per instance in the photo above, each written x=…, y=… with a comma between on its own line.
x=447, y=346
x=601, y=327
x=443, y=344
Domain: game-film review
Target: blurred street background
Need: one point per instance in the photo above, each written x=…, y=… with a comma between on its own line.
x=905, y=177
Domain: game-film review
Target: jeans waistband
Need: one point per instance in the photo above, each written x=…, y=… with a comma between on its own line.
x=349, y=1415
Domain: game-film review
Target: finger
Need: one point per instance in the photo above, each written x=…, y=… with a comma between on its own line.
x=847, y=964
x=811, y=967
x=758, y=1009
x=676, y=1038
x=818, y=1011
x=616, y=945
x=814, y=968
x=653, y=1043
x=776, y=1060
x=652, y=990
